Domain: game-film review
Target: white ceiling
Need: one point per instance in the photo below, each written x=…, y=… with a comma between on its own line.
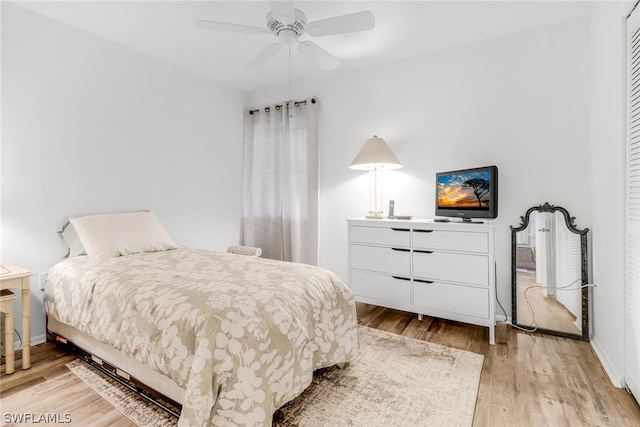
x=166, y=30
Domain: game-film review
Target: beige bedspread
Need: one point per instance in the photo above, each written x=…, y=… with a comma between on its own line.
x=242, y=335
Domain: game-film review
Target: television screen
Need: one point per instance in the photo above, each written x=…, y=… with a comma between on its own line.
x=468, y=193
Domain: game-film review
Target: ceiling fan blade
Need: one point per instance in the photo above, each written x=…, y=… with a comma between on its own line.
x=264, y=55
x=315, y=53
x=224, y=26
x=283, y=11
x=359, y=21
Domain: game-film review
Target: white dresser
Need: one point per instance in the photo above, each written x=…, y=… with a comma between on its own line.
x=438, y=269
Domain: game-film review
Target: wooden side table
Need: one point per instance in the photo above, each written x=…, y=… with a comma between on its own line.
x=12, y=277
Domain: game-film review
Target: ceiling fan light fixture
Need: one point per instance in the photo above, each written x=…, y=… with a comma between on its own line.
x=287, y=37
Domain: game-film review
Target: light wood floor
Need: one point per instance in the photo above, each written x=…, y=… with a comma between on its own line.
x=529, y=380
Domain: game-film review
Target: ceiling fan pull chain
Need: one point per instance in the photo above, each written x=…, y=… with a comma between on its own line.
x=290, y=98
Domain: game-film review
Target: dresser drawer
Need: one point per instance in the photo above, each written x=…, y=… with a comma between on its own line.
x=466, y=241
x=451, y=267
x=381, y=287
x=382, y=259
x=400, y=236
x=458, y=299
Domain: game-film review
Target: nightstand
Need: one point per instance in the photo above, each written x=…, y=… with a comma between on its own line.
x=12, y=277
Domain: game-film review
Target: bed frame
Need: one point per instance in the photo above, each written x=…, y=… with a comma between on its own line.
x=114, y=372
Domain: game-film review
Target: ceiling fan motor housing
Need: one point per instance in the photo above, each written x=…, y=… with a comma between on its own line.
x=287, y=32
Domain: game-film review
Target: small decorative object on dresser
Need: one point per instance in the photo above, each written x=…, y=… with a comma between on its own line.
x=439, y=269
x=12, y=277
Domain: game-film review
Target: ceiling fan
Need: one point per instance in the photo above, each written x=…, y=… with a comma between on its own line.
x=288, y=23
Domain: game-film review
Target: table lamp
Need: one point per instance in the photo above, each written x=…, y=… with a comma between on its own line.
x=375, y=156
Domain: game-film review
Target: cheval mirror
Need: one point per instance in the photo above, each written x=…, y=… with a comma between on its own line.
x=549, y=273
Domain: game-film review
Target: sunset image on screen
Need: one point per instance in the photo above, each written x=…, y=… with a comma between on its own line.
x=469, y=190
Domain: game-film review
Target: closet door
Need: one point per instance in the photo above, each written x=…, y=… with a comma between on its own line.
x=632, y=350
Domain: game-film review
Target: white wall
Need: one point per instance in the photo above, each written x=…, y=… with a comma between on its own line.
x=91, y=127
x=607, y=144
x=520, y=102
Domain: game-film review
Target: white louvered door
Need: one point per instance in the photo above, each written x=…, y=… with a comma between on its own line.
x=632, y=348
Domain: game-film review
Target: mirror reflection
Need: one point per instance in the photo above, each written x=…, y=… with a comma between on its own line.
x=549, y=271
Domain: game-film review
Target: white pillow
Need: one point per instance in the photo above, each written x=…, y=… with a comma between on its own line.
x=107, y=236
x=70, y=237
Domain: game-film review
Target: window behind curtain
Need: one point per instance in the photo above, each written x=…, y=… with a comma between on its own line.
x=281, y=181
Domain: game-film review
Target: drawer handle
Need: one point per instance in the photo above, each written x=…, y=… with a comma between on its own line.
x=401, y=249
x=423, y=281
x=423, y=231
x=401, y=278
x=400, y=229
x=422, y=252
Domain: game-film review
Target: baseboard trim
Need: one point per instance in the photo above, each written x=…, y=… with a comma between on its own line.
x=38, y=339
x=500, y=318
x=614, y=376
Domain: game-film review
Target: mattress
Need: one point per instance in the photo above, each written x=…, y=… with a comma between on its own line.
x=230, y=337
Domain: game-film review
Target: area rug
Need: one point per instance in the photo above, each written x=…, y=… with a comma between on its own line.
x=140, y=411
x=395, y=381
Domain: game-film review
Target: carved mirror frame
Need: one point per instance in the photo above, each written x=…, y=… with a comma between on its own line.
x=569, y=221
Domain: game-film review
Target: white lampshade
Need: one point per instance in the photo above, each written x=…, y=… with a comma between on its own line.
x=375, y=154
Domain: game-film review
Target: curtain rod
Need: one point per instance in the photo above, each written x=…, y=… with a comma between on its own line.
x=278, y=107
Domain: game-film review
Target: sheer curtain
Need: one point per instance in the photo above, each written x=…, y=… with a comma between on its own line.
x=281, y=181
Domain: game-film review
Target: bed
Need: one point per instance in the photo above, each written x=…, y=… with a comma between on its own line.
x=229, y=337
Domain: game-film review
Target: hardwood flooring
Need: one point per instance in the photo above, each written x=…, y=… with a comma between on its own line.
x=527, y=380
x=49, y=389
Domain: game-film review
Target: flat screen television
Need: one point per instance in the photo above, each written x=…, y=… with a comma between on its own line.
x=467, y=193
